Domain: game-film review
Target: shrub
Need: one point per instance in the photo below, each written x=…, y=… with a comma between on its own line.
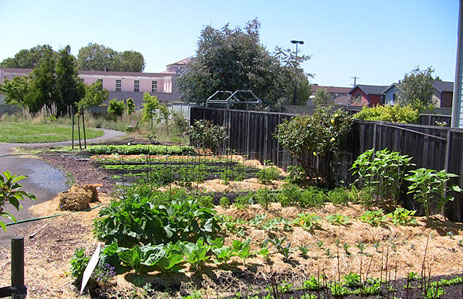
x=289, y=194
x=130, y=106
x=314, y=141
x=116, y=107
x=339, y=196
x=312, y=197
x=224, y=202
x=206, y=135
x=396, y=113
x=10, y=192
x=267, y=174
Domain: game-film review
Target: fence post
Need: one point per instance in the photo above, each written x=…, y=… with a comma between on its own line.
x=447, y=164
x=17, y=267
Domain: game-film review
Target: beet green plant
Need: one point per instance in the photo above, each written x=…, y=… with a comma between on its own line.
x=428, y=186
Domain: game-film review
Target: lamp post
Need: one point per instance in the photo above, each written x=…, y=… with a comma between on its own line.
x=297, y=42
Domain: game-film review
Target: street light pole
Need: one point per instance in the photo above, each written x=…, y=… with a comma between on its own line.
x=297, y=42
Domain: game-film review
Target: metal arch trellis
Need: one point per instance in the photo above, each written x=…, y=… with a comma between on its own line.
x=233, y=99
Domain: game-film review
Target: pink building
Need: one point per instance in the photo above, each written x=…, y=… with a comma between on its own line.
x=124, y=85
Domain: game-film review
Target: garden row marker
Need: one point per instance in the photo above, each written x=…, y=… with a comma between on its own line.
x=90, y=267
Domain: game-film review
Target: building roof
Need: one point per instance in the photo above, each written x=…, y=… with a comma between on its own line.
x=182, y=62
x=370, y=89
x=389, y=87
x=332, y=89
x=443, y=86
x=95, y=73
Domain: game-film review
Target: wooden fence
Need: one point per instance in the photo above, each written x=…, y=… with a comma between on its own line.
x=251, y=133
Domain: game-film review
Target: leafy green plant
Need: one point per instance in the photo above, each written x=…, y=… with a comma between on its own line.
x=147, y=149
x=339, y=196
x=283, y=250
x=289, y=194
x=402, y=216
x=285, y=287
x=267, y=174
x=224, y=202
x=337, y=219
x=382, y=172
x=434, y=292
x=79, y=262
x=196, y=253
x=346, y=248
x=10, y=192
x=312, y=284
x=338, y=290
x=312, y=197
x=428, y=185
x=304, y=249
x=352, y=280
x=242, y=249
x=307, y=221
x=116, y=107
x=374, y=218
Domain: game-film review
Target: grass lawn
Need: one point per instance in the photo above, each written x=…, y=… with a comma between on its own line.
x=40, y=133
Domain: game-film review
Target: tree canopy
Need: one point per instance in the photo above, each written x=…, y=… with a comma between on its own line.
x=28, y=59
x=232, y=59
x=416, y=88
x=95, y=57
x=321, y=97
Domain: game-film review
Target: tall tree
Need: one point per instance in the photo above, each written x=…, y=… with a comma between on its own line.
x=43, y=86
x=416, y=88
x=130, y=61
x=232, y=59
x=69, y=87
x=28, y=58
x=95, y=57
x=95, y=95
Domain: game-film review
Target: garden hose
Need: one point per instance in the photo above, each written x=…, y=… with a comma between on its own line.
x=52, y=216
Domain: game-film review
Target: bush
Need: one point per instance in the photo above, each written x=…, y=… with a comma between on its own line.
x=312, y=197
x=206, y=135
x=396, y=113
x=267, y=174
x=130, y=106
x=224, y=202
x=314, y=141
x=116, y=107
x=339, y=196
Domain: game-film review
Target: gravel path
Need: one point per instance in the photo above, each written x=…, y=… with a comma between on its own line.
x=44, y=181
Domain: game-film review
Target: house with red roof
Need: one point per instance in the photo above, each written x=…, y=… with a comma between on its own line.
x=370, y=95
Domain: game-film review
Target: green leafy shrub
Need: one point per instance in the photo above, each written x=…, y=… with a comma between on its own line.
x=312, y=197
x=339, y=196
x=206, y=135
x=10, y=192
x=338, y=219
x=268, y=174
x=314, y=141
x=224, y=202
x=428, y=186
x=130, y=106
x=289, y=194
x=396, y=113
x=374, y=218
x=402, y=216
x=116, y=107
x=79, y=262
x=307, y=221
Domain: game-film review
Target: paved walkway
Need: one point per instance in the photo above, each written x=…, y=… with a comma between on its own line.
x=44, y=181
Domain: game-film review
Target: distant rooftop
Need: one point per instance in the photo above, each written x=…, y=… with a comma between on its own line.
x=331, y=89
x=443, y=86
x=371, y=89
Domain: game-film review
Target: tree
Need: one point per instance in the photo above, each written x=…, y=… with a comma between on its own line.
x=130, y=106
x=116, y=107
x=416, y=88
x=95, y=57
x=69, y=87
x=149, y=107
x=15, y=90
x=28, y=58
x=43, y=85
x=95, y=95
x=130, y=61
x=165, y=113
x=232, y=59
x=321, y=97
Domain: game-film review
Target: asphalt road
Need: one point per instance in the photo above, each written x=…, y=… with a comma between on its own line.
x=44, y=181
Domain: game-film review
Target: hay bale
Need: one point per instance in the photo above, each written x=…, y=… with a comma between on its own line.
x=78, y=198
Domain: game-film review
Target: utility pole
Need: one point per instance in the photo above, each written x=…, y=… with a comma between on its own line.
x=297, y=42
x=355, y=80
x=457, y=110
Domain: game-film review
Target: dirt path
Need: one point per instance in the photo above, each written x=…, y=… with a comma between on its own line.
x=44, y=181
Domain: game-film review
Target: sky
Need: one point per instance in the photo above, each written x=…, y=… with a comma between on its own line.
x=378, y=41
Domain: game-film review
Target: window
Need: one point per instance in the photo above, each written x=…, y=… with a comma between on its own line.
x=154, y=86
x=136, y=86
x=118, y=85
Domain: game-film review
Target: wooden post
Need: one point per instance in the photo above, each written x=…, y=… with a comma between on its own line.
x=83, y=127
x=78, y=131
x=447, y=164
x=17, y=267
x=72, y=116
